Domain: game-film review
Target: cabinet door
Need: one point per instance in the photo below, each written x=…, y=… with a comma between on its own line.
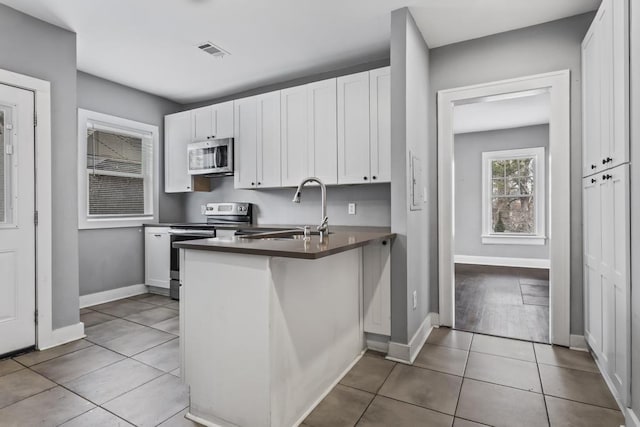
x=177, y=135
x=204, y=123
x=377, y=288
x=224, y=120
x=619, y=146
x=591, y=108
x=323, y=136
x=245, y=142
x=157, y=257
x=295, y=152
x=353, y=129
x=605, y=61
x=380, y=110
x=268, y=139
x=592, y=253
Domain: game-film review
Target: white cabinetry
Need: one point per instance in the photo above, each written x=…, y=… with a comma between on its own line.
x=257, y=141
x=377, y=287
x=157, y=256
x=606, y=215
x=380, y=110
x=213, y=121
x=177, y=135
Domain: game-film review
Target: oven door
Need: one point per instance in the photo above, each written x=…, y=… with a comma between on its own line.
x=210, y=157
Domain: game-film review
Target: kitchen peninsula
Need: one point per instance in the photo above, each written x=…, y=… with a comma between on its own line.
x=270, y=322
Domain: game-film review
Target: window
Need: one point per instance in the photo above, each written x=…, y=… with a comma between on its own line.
x=513, y=196
x=117, y=171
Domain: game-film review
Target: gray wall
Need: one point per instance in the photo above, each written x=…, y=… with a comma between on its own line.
x=112, y=258
x=542, y=48
x=275, y=206
x=468, y=149
x=635, y=206
x=413, y=260
x=32, y=47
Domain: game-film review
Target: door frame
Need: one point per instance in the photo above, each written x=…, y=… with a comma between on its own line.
x=558, y=84
x=45, y=336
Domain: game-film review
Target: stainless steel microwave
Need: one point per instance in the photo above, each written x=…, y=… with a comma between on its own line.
x=212, y=157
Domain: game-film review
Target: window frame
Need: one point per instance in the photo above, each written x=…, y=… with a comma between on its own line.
x=490, y=237
x=107, y=121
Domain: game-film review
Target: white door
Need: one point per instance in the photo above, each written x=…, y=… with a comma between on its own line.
x=592, y=254
x=380, y=100
x=353, y=129
x=245, y=142
x=295, y=156
x=177, y=135
x=204, y=123
x=17, y=229
x=323, y=136
x=224, y=120
x=268, y=163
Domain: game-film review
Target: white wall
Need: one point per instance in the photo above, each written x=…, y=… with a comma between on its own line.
x=468, y=149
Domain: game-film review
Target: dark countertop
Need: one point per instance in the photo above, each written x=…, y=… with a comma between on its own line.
x=341, y=239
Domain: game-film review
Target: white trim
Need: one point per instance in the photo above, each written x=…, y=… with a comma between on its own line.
x=577, y=342
x=490, y=237
x=376, y=345
x=631, y=419
x=407, y=353
x=112, y=295
x=502, y=261
x=128, y=126
x=64, y=335
x=558, y=85
x=42, y=89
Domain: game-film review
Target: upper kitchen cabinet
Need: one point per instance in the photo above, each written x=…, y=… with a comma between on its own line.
x=177, y=135
x=605, y=82
x=309, y=138
x=213, y=121
x=364, y=127
x=257, y=141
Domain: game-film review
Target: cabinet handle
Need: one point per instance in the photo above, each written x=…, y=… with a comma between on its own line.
x=374, y=177
x=253, y=183
x=158, y=235
x=384, y=242
x=593, y=166
x=593, y=180
x=605, y=177
x=259, y=183
x=365, y=178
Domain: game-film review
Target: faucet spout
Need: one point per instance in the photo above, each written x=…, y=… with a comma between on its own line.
x=323, y=228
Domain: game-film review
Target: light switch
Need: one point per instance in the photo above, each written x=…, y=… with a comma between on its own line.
x=352, y=209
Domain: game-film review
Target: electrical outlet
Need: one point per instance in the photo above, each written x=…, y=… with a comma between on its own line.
x=352, y=209
x=415, y=299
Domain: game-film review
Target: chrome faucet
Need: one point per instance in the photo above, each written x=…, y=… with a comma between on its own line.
x=323, y=228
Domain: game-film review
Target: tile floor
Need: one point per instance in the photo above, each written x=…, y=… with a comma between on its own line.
x=464, y=379
x=125, y=372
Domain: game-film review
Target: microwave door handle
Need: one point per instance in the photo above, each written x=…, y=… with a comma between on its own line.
x=216, y=157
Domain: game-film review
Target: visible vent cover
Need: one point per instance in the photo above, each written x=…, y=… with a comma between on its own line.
x=212, y=49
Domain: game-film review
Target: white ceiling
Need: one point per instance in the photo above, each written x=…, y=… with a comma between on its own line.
x=151, y=44
x=513, y=112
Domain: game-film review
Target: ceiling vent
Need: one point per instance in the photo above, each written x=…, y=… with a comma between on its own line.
x=212, y=49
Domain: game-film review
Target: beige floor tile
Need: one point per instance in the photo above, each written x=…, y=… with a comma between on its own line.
x=97, y=417
x=153, y=316
x=368, y=374
x=503, y=347
x=137, y=342
x=565, y=413
x=107, y=331
x=460, y=422
x=179, y=420
x=174, y=305
x=151, y=403
x=8, y=366
x=572, y=384
x=500, y=406
x=564, y=357
x=450, y=338
x=374, y=353
x=165, y=357
x=140, y=297
x=171, y=326
x=47, y=409
x=111, y=381
x=385, y=412
x=95, y=318
x=20, y=385
x=342, y=407
x=66, y=368
x=85, y=310
x=423, y=387
x=156, y=299
x=35, y=357
x=444, y=359
x=503, y=371
x=122, y=308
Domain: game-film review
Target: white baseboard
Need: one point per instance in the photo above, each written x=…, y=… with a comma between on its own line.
x=577, y=342
x=631, y=419
x=375, y=345
x=406, y=353
x=63, y=335
x=112, y=295
x=502, y=261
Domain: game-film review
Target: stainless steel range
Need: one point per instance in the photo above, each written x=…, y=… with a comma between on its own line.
x=219, y=216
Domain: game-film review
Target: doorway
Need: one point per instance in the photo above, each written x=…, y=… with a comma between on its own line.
x=17, y=225
x=503, y=230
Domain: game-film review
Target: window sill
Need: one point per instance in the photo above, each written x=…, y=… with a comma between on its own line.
x=127, y=222
x=512, y=239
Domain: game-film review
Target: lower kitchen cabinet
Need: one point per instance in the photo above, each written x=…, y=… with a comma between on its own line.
x=157, y=257
x=376, y=265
